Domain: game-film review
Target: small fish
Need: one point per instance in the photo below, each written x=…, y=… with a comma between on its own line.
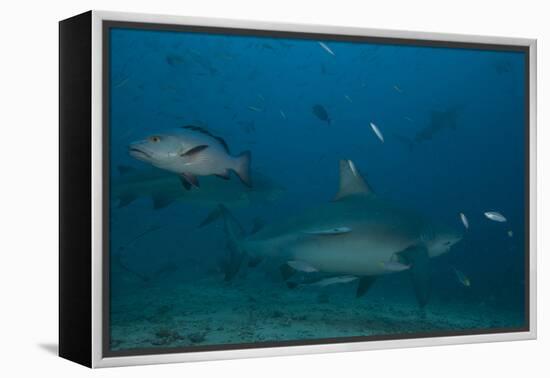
x=408, y=119
x=302, y=266
x=321, y=282
x=320, y=112
x=464, y=220
x=397, y=89
x=330, y=231
x=261, y=97
x=335, y=280
x=255, y=109
x=462, y=278
x=327, y=49
x=201, y=61
x=495, y=216
x=283, y=115
x=192, y=151
x=122, y=83
x=394, y=266
x=510, y=233
x=348, y=98
x=377, y=132
x=173, y=60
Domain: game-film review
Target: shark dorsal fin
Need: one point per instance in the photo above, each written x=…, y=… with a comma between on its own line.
x=351, y=181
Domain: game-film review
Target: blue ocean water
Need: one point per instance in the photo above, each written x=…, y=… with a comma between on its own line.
x=452, y=122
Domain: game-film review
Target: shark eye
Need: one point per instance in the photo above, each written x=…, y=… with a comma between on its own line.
x=154, y=139
x=447, y=243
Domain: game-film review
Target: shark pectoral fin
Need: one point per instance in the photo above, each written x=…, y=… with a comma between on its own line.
x=286, y=271
x=160, y=201
x=329, y=231
x=185, y=183
x=418, y=260
x=351, y=181
x=364, y=285
x=189, y=180
x=126, y=199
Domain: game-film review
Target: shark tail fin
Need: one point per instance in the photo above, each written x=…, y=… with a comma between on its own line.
x=235, y=234
x=418, y=258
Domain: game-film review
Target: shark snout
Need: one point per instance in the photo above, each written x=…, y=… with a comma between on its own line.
x=452, y=240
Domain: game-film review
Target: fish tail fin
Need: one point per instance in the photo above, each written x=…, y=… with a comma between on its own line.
x=235, y=235
x=242, y=168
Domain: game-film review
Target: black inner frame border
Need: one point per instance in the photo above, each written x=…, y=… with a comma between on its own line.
x=107, y=25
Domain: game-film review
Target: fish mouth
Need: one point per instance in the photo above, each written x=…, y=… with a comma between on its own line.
x=138, y=154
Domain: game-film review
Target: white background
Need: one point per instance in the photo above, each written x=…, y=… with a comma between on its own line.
x=28, y=211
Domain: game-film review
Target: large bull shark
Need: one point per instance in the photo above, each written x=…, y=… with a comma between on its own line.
x=165, y=188
x=357, y=234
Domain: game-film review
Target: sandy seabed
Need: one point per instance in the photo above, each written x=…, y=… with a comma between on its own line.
x=211, y=312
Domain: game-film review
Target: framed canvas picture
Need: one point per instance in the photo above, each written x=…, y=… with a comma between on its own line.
x=235, y=189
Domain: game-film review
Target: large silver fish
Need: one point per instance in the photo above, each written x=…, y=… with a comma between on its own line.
x=357, y=234
x=164, y=188
x=192, y=151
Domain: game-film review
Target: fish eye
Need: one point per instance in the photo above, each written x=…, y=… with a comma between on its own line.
x=447, y=243
x=154, y=139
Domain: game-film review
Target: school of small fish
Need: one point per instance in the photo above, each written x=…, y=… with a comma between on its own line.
x=239, y=164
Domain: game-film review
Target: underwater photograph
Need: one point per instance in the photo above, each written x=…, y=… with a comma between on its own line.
x=290, y=189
